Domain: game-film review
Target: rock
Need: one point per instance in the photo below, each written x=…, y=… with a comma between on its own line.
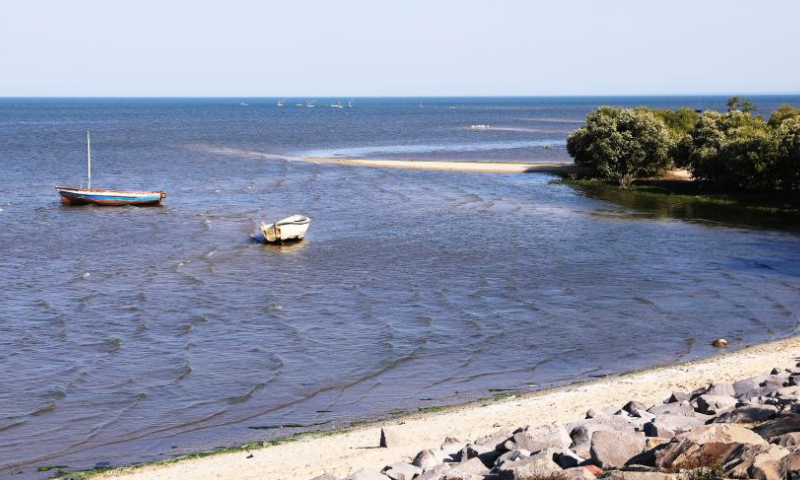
x=366, y=475
x=428, y=459
x=468, y=470
x=787, y=392
x=486, y=453
x=495, y=440
x=539, y=438
x=325, y=476
x=772, y=385
x=435, y=474
x=680, y=408
x=579, y=473
x=713, y=404
x=754, y=461
x=789, y=466
x=652, y=442
x=685, y=454
x=582, y=430
x=566, y=458
x=787, y=439
x=667, y=426
x=723, y=389
x=511, y=456
x=401, y=471
x=778, y=426
x=719, y=343
x=600, y=412
x=644, y=415
x=633, y=405
x=722, y=433
x=620, y=475
x=452, y=446
x=612, y=449
x=526, y=468
x=677, y=397
x=748, y=414
x=389, y=438
x=748, y=388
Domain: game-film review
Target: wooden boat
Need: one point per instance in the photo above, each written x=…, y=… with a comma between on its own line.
x=88, y=195
x=290, y=228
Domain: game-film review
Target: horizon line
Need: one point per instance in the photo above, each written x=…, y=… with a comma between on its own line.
x=637, y=95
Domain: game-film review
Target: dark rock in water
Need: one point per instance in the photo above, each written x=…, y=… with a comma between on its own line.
x=747, y=414
x=787, y=439
x=781, y=425
x=633, y=405
x=613, y=449
x=719, y=343
x=388, y=438
x=713, y=404
x=678, y=397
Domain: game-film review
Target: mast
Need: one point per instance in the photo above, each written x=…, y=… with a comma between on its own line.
x=89, y=156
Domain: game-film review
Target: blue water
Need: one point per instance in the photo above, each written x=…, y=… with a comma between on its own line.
x=133, y=334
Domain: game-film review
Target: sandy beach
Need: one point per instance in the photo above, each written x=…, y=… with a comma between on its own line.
x=349, y=451
x=470, y=167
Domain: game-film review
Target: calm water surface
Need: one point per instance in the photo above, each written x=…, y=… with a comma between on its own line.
x=133, y=334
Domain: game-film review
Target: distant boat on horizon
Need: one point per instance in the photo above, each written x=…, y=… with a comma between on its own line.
x=337, y=105
x=310, y=103
x=350, y=103
x=88, y=195
x=280, y=102
x=243, y=104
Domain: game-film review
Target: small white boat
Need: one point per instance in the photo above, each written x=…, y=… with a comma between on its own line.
x=290, y=228
x=337, y=105
x=479, y=127
x=280, y=103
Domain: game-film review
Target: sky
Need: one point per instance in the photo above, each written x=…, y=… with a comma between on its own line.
x=305, y=48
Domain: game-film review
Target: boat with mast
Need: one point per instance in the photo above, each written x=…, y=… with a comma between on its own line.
x=94, y=196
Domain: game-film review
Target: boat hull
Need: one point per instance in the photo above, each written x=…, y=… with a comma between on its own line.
x=289, y=229
x=83, y=196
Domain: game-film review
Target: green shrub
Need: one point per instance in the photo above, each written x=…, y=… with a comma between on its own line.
x=622, y=144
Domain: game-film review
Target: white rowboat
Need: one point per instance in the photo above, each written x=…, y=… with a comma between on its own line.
x=290, y=228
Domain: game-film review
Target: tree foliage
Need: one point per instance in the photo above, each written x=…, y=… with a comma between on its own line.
x=622, y=144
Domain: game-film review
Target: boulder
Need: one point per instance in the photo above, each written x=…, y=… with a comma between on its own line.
x=581, y=431
x=452, y=446
x=511, y=456
x=471, y=469
x=495, y=440
x=612, y=449
x=722, y=433
x=389, y=438
x=436, y=473
x=748, y=414
x=534, y=439
x=748, y=388
x=780, y=425
x=627, y=475
x=526, y=468
x=714, y=404
x=428, y=459
x=754, y=461
x=401, y=471
x=325, y=476
x=789, y=466
x=366, y=475
x=600, y=412
x=667, y=426
x=721, y=389
x=579, y=473
x=486, y=453
x=678, y=397
x=633, y=405
x=787, y=439
x=680, y=408
x=772, y=384
x=686, y=454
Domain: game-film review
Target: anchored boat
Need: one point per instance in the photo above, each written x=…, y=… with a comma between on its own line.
x=290, y=228
x=88, y=195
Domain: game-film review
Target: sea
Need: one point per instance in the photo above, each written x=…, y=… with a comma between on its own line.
x=132, y=334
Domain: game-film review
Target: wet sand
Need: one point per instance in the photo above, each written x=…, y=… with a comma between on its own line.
x=473, y=167
x=346, y=452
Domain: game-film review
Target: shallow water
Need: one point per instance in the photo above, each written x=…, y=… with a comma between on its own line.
x=133, y=334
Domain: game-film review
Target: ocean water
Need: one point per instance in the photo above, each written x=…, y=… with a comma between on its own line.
x=135, y=334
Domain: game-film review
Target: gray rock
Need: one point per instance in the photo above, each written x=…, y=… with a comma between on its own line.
x=566, y=458
x=325, y=476
x=748, y=414
x=772, y=384
x=612, y=449
x=787, y=439
x=539, y=438
x=667, y=426
x=789, y=466
x=452, y=446
x=678, y=397
x=486, y=453
x=748, y=388
x=633, y=405
x=780, y=425
x=581, y=431
x=722, y=433
x=578, y=473
x=754, y=461
x=721, y=389
x=526, y=468
x=495, y=440
x=472, y=468
x=366, y=475
x=680, y=408
x=627, y=475
x=511, y=456
x=436, y=474
x=401, y=471
x=428, y=459
x=787, y=392
x=389, y=438
x=600, y=412
x=714, y=404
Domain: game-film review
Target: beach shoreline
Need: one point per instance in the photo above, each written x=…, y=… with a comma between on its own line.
x=341, y=452
x=558, y=168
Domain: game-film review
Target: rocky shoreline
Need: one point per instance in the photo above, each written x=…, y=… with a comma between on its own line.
x=749, y=429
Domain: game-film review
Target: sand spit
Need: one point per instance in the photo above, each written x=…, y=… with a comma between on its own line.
x=471, y=167
x=347, y=452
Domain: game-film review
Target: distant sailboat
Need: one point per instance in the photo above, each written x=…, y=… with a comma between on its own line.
x=310, y=103
x=244, y=104
x=88, y=195
x=280, y=102
x=337, y=105
x=350, y=103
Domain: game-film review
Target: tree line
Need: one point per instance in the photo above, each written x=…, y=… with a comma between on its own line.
x=735, y=149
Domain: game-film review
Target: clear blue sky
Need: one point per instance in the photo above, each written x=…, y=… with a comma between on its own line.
x=406, y=47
